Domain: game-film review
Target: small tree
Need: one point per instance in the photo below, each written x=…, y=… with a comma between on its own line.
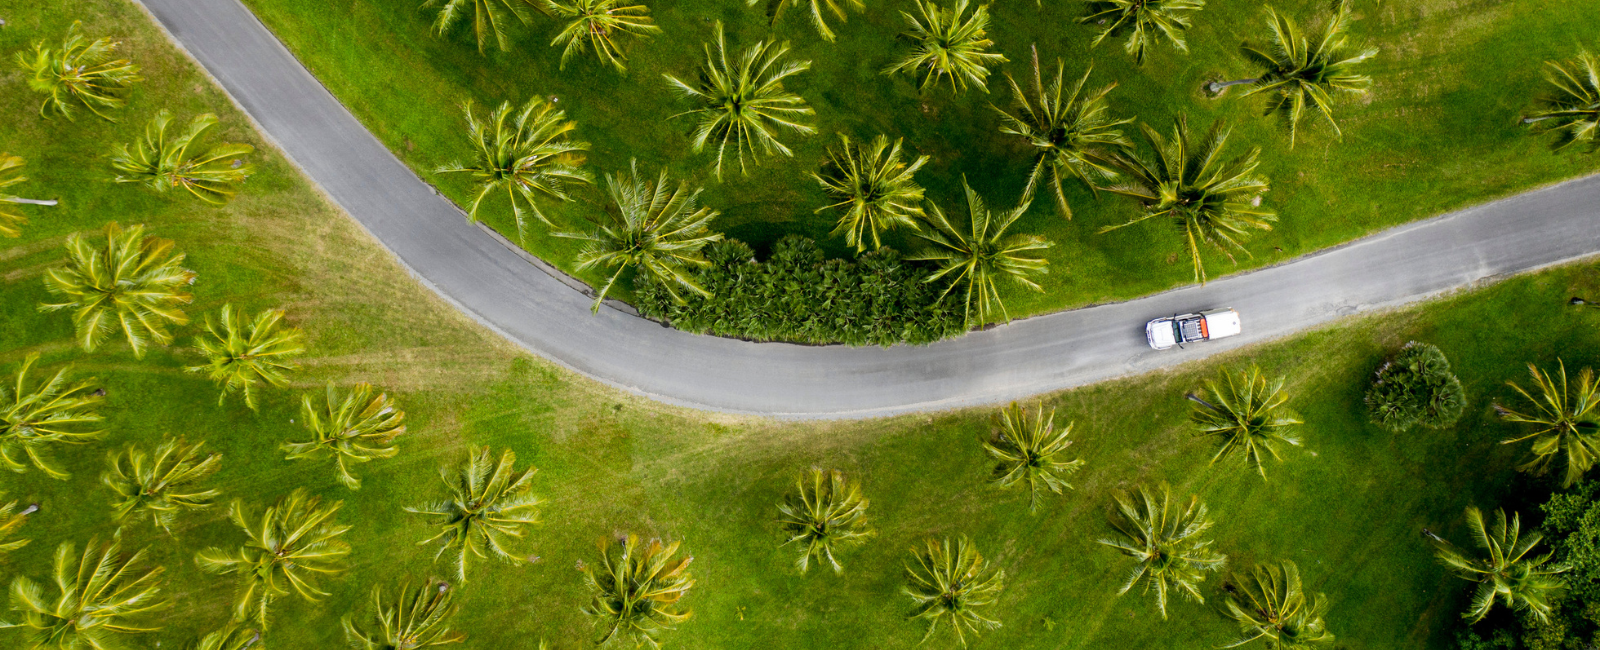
x=103, y=594
x=1505, y=570
x=132, y=284
x=1302, y=73
x=1271, y=604
x=161, y=484
x=241, y=355
x=1571, y=107
x=1166, y=542
x=80, y=71
x=1248, y=415
x=953, y=585
x=33, y=418
x=489, y=18
x=11, y=520
x=530, y=154
x=351, y=427
x=1416, y=387
x=1144, y=21
x=11, y=221
x=818, y=10
x=1565, y=419
x=946, y=45
x=231, y=637
x=974, y=258
x=1026, y=451
x=162, y=164
x=874, y=190
x=417, y=619
x=594, y=25
x=825, y=513
x=636, y=588
x=294, y=541
x=491, y=505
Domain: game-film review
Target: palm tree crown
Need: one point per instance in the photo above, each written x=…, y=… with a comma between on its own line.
x=132, y=284
x=80, y=70
x=1027, y=449
x=1565, y=421
x=489, y=18
x=294, y=541
x=594, y=24
x=953, y=585
x=825, y=513
x=1166, y=542
x=351, y=426
x=161, y=484
x=873, y=188
x=11, y=520
x=657, y=229
x=240, y=355
x=1505, y=571
x=11, y=221
x=162, y=164
x=636, y=589
x=1572, y=107
x=742, y=103
x=1211, y=198
x=528, y=153
x=1247, y=414
x=417, y=619
x=1074, y=133
x=1145, y=22
x=33, y=418
x=975, y=257
x=947, y=46
x=103, y=594
x=1300, y=72
x=1271, y=604
x=816, y=9
x=491, y=505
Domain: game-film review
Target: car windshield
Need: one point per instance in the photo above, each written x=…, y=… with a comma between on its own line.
x=1177, y=331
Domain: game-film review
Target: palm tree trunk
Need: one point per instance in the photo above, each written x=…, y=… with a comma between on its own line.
x=32, y=201
x=1196, y=399
x=1216, y=87
x=1531, y=120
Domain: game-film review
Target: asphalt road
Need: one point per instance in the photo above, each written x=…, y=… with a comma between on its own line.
x=503, y=290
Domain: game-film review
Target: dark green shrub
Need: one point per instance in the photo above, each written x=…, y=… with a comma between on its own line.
x=799, y=296
x=1416, y=387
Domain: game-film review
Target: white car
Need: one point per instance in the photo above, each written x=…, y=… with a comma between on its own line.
x=1163, y=333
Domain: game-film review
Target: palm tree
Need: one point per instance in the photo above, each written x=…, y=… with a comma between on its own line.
x=490, y=505
x=1507, y=572
x=775, y=9
x=1301, y=73
x=489, y=18
x=33, y=418
x=973, y=258
x=351, y=427
x=1145, y=21
x=1271, y=604
x=741, y=102
x=132, y=284
x=11, y=174
x=1074, y=134
x=161, y=484
x=954, y=586
x=1572, y=108
x=11, y=520
x=946, y=46
x=103, y=594
x=1247, y=414
x=230, y=637
x=594, y=24
x=162, y=164
x=294, y=541
x=240, y=355
x=417, y=619
x=1213, y=199
x=873, y=188
x=657, y=230
x=1166, y=542
x=636, y=589
x=824, y=513
x=1565, y=421
x=80, y=70
x=1026, y=451
x=527, y=154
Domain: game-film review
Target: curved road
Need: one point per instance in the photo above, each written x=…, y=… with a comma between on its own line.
x=503, y=290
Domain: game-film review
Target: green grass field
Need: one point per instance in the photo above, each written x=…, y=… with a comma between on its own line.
x=1438, y=131
x=1347, y=506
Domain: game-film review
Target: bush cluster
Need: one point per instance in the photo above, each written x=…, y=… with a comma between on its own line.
x=1416, y=387
x=797, y=295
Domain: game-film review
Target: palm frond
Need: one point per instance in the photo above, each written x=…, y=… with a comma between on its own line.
x=241, y=355
x=1166, y=542
x=636, y=589
x=490, y=506
x=1027, y=449
x=973, y=259
x=1270, y=603
x=527, y=153
x=1506, y=567
x=103, y=593
x=1304, y=72
x=825, y=513
x=34, y=418
x=947, y=46
x=490, y=19
x=80, y=71
x=416, y=619
x=1571, y=106
x=350, y=427
x=1564, y=419
x=1146, y=22
x=954, y=586
x=131, y=284
x=817, y=10
x=291, y=543
x=11, y=221
x=593, y=25
x=161, y=484
x=874, y=190
x=1247, y=414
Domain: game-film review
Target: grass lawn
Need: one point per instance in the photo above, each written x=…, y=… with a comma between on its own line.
x=1438, y=131
x=1347, y=506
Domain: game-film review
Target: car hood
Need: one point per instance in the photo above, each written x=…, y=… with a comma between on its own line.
x=1160, y=334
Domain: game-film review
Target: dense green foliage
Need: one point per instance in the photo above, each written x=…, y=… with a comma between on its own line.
x=1415, y=387
x=798, y=295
